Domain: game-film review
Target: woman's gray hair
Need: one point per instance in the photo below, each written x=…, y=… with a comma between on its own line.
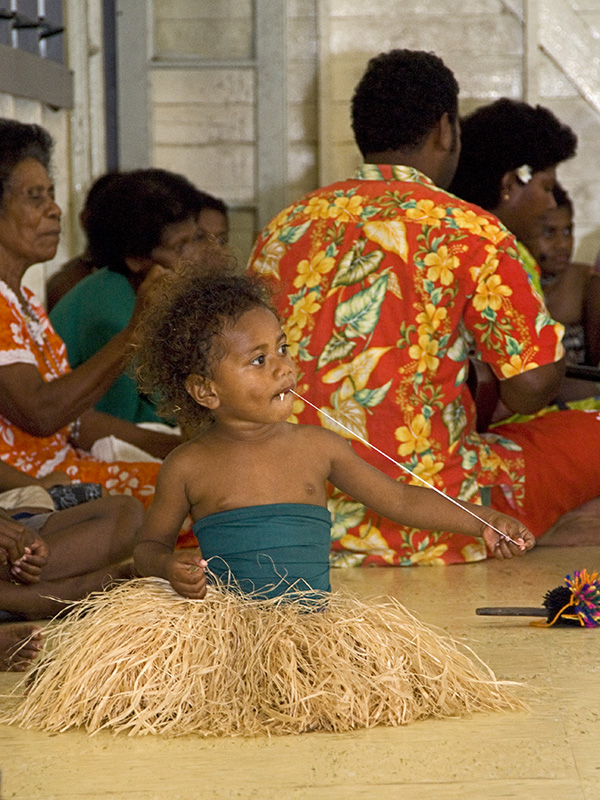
x=19, y=141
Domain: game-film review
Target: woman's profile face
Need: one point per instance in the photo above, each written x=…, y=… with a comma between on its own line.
x=529, y=201
x=29, y=217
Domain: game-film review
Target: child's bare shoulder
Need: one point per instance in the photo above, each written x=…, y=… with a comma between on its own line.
x=184, y=454
x=318, y=436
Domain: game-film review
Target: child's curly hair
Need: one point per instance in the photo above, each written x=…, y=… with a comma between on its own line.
x=179, y=334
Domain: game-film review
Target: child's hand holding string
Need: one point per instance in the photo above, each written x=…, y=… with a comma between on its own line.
x=501, y=548
x=186, y=573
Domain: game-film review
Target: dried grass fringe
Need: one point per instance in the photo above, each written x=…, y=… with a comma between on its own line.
x=142, y=659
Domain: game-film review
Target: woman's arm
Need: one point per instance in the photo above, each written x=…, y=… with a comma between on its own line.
x=41, y=408
x=94, y=425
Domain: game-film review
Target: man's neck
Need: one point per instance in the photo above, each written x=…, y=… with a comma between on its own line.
x=416, y=159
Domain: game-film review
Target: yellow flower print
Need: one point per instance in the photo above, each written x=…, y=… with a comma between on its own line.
x=293, y=336
x=359, y=369
x=441, y=265
x=345, y=209
x=278, y=221
x=559, y=350
x=516, y=366
x=427, y=469
x=268, y=262
x=431, y=557
x=489, y=266
x=348, y=412
x=369, y=540
x=490, y=292
x=318, y=208
x=469, y=220
x=303, y=310
x=425, y=353
x=414, y=438
x=430, y=319
x=297, y=408
x=490, y=460
x=494, y=233
x=311, y=274
x=427, y=213
x=474, y=552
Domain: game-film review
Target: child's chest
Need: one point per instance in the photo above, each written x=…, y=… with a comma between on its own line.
x=263, y=474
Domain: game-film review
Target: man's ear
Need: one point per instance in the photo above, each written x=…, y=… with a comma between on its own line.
x=446, y=133
x=202, y=390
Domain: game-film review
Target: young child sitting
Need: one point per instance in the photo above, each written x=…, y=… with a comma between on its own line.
x=253, y=482
x=252, y=655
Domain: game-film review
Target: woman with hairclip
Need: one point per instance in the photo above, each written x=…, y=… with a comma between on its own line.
x=510, y=151
x=509, y=154
x=507, y=165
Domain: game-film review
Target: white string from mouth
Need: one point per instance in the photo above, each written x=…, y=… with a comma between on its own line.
x=406, y=469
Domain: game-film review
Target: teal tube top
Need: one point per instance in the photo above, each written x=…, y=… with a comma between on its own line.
x=268, y=549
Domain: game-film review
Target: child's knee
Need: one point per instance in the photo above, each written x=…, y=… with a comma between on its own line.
x=126, y=513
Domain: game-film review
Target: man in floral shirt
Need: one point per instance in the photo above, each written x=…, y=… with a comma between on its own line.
x=388, y=284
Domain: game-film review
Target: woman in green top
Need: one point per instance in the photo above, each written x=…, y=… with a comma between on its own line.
x=138, y=219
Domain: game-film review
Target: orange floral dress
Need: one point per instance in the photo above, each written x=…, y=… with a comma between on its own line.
x=387, y=284
x=34, y=341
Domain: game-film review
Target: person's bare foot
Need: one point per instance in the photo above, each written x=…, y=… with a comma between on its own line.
x=20, y=644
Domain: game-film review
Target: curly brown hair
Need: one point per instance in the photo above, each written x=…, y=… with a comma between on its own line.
x=180, y=335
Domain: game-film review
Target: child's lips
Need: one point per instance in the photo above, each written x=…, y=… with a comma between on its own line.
x=281, y=394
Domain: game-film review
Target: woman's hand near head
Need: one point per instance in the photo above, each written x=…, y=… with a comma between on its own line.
x=157, y=278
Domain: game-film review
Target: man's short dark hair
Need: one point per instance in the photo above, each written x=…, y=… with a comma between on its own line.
x=400, y=98
x=503, y=136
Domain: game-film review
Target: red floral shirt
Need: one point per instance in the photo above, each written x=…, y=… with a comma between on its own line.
x=389, y=283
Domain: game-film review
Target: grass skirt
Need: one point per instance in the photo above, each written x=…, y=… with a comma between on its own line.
x=142, y=659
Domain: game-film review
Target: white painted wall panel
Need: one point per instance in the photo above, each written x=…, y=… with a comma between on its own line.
x=223, y=170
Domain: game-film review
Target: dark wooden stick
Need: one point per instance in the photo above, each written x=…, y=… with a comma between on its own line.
x=511, y=611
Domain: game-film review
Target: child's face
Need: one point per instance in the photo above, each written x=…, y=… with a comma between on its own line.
x=252, y=381
x=555, y=242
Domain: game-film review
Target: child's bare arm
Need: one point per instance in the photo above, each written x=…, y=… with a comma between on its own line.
x=156, y=539
x=420, y=507
x=153, y=553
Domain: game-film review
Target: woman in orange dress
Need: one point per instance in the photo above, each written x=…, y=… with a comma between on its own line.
x=47, y=419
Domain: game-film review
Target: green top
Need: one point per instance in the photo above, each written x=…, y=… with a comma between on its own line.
x=86, y=319
x=531, y=268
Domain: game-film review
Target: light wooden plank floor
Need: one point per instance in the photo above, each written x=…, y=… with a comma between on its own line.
x=552, y=751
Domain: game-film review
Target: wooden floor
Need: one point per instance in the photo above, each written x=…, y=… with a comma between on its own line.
x=553, y=751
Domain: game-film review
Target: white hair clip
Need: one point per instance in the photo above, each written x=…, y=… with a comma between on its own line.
x=524, y=173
